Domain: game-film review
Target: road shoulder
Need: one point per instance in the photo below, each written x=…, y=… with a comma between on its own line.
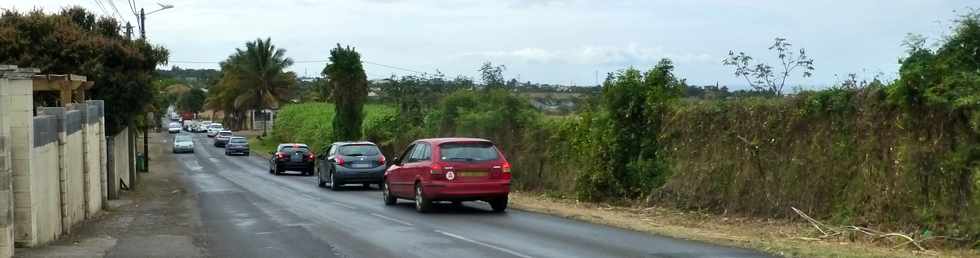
x=778, y=237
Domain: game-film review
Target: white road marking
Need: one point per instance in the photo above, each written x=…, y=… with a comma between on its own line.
x=392, y=219
x=344, y=205
x=263, y=233
x=192, y=164
x=514, y=253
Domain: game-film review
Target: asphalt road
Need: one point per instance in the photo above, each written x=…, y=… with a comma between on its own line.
x=248, y=212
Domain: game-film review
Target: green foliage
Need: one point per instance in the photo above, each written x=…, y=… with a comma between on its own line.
x=192, y=101
x=493, y=76
x=630, y=163
x=349, y=87
x=312, y=123
x=74, y=41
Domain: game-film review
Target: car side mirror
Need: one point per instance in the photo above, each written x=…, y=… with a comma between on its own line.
x=272, y=153
x=396, y=161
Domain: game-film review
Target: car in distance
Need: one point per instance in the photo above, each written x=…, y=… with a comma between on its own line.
x=173, y=127
x=292, y=157
x=237, y=145
x=214, y=128
x=202, y=127
x=351, y=163
x=183, y=143
x=449, y=169
x=221, y=138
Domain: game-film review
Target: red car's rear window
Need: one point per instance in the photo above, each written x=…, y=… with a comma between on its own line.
x=468, y=151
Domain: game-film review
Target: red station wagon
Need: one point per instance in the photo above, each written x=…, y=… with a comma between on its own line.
x=449, y=169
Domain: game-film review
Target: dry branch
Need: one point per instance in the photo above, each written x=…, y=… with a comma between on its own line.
x=834, y=231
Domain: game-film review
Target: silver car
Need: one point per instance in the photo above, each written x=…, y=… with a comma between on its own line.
x=183, y=143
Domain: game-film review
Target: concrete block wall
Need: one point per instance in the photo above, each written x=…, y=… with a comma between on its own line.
x=52, y=166
x=15, y=83
x=19, y=112
x=68, y=125
x=41, y=205
x=120, y=164
x=93, y=137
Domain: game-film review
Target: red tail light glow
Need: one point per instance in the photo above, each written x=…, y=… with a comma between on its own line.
x=340, y=161
x=381, y=159
x=280, y=155
x=506, y=169
x=311, y=156
x=435, y=169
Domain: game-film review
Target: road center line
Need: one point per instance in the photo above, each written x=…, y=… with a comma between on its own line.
x=514, y=253
x=392, y=219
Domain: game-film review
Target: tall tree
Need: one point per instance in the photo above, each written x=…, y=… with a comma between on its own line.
x=349, y=84
x=192, y=101
x=253, y=79
x=762, y=76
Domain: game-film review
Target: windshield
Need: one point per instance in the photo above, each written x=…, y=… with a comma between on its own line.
x=174, y=125
x=224, y=133
x=359, y=150
x=215, y=126
x=238, y=140
x=468, y=151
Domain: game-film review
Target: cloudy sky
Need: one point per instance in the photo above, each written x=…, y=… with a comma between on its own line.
x=548, y=41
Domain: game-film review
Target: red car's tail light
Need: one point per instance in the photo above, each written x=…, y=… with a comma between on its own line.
x=340, y=161
x=506, y=169
x=435, y=169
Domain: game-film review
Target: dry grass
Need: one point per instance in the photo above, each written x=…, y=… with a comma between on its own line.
x=780, y=237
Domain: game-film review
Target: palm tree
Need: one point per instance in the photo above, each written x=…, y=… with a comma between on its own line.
x=254, y=78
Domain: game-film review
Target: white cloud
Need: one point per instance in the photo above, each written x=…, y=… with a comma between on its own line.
x=630, y=54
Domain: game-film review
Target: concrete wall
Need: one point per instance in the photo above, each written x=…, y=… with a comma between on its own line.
x=93, y=153
x=15, y=132
x=120, y=161
x=68, y=129
x=20, y=114
x=52, y=166
x=40, y=194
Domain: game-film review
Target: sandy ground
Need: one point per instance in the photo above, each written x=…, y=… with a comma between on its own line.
x=157, y=220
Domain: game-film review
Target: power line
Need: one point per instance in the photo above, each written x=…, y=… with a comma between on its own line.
x=114, y=8
x=104, y=11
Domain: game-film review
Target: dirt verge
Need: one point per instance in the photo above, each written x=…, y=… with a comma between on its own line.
x=779, y=237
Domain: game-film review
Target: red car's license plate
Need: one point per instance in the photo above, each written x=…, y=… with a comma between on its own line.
x=472, y=173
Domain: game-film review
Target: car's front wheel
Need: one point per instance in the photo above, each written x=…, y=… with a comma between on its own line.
x=422, y=204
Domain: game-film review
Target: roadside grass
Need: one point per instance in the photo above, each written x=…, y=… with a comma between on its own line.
x=775, y=236
x=261, y=147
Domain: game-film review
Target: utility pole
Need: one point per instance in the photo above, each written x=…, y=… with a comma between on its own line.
x=142, y=24
x=129, y=31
